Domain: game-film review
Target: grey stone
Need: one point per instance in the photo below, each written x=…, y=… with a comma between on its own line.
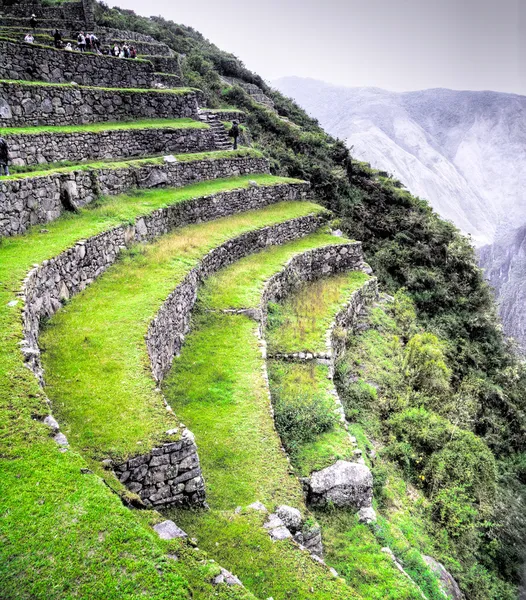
x=258, y=506
x=168, y=530
x=273, y=521
x=61, y=439
x=280, y=533
x=367, y=515
x=290, y=516
x=343, y=484
x=446, y=581
x=52, y=423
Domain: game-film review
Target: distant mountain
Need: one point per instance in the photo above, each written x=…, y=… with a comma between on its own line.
x=465, y=152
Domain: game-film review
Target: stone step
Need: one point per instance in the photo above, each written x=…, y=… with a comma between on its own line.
x=25, y=104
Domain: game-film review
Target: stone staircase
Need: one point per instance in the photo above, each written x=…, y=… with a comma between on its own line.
x=221, y=138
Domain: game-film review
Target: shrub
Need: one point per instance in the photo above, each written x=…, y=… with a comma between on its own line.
x=302, y=418
x=425, y=364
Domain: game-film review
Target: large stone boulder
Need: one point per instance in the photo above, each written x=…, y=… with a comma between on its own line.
x=343, y=484
x=448, y=585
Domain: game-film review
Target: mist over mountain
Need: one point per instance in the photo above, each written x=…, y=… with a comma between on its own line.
x=465, y=152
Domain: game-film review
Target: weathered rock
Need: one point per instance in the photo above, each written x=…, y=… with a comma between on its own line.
x=310, y=538
x=343, y=484
x=226, y=577
x=367, y=515
x=290, y=516
x=168, y=530
x=258, y=506
x=446, y=581
x=280, y=533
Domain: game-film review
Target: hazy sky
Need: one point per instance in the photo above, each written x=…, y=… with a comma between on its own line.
x=394, y=44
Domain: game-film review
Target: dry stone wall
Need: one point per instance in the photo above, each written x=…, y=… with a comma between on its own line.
x=31, y=200
x=167, y=331
x=158, y=476
x=310, y=265
x=24, y=105
x=31, y=62
x=39, y=148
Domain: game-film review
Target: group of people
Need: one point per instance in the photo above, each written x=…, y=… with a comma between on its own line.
x=124, y=51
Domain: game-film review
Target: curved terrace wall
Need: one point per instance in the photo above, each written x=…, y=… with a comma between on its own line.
x=39, y=199
x=159, y=475
x=31, y=62
x=24, y=105
x=39, y=148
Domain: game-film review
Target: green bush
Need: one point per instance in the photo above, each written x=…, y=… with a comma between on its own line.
x=425, y=364
x=302, y=418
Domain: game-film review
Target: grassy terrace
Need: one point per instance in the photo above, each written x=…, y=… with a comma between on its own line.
x=87, y=361
x=175, y=91
x=41, y=170
x=314, y=437
x=57, y=526
x=104, y=127
x=301, y=322
x=217, y=387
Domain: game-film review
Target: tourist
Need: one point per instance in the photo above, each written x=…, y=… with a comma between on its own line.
x=81, y=42
x=29, y=39
x=234, y=133
x=116, y=50
x=69, y=47
x=4, y=157
x=95, y=43
x=126, y=51
x=33, y=22
x=133, y=52
x=57, y=36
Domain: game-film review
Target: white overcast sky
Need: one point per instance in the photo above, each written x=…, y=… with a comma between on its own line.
x=394, y=44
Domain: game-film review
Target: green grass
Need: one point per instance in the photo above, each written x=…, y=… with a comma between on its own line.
x=102, y=127
x=309, y=381
x=175, y=91
x=301, y=322
x=353, y=550
x=42, y=171
x=64, y=534
x=87, y=362
x=228, y=288
x=217, y=388
x=268, y=569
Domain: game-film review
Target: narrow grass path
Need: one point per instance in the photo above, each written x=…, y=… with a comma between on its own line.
x=102, y=127
x=66, y=167
x=57, y=526
x=300, y=323
x=217, y=386
x=96, y=342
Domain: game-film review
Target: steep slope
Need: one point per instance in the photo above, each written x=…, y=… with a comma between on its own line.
x=107, y=258
x=463, y=151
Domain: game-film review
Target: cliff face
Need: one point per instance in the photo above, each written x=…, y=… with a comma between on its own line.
x=465, y=152
x=504, y=263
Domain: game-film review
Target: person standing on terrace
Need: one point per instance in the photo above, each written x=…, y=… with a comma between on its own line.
x=33, y=22
x=4, y=157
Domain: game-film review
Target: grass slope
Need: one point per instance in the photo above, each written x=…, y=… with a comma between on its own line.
x=96, y=343
x=301, y=322
x=66, y=532
x=101, y=127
